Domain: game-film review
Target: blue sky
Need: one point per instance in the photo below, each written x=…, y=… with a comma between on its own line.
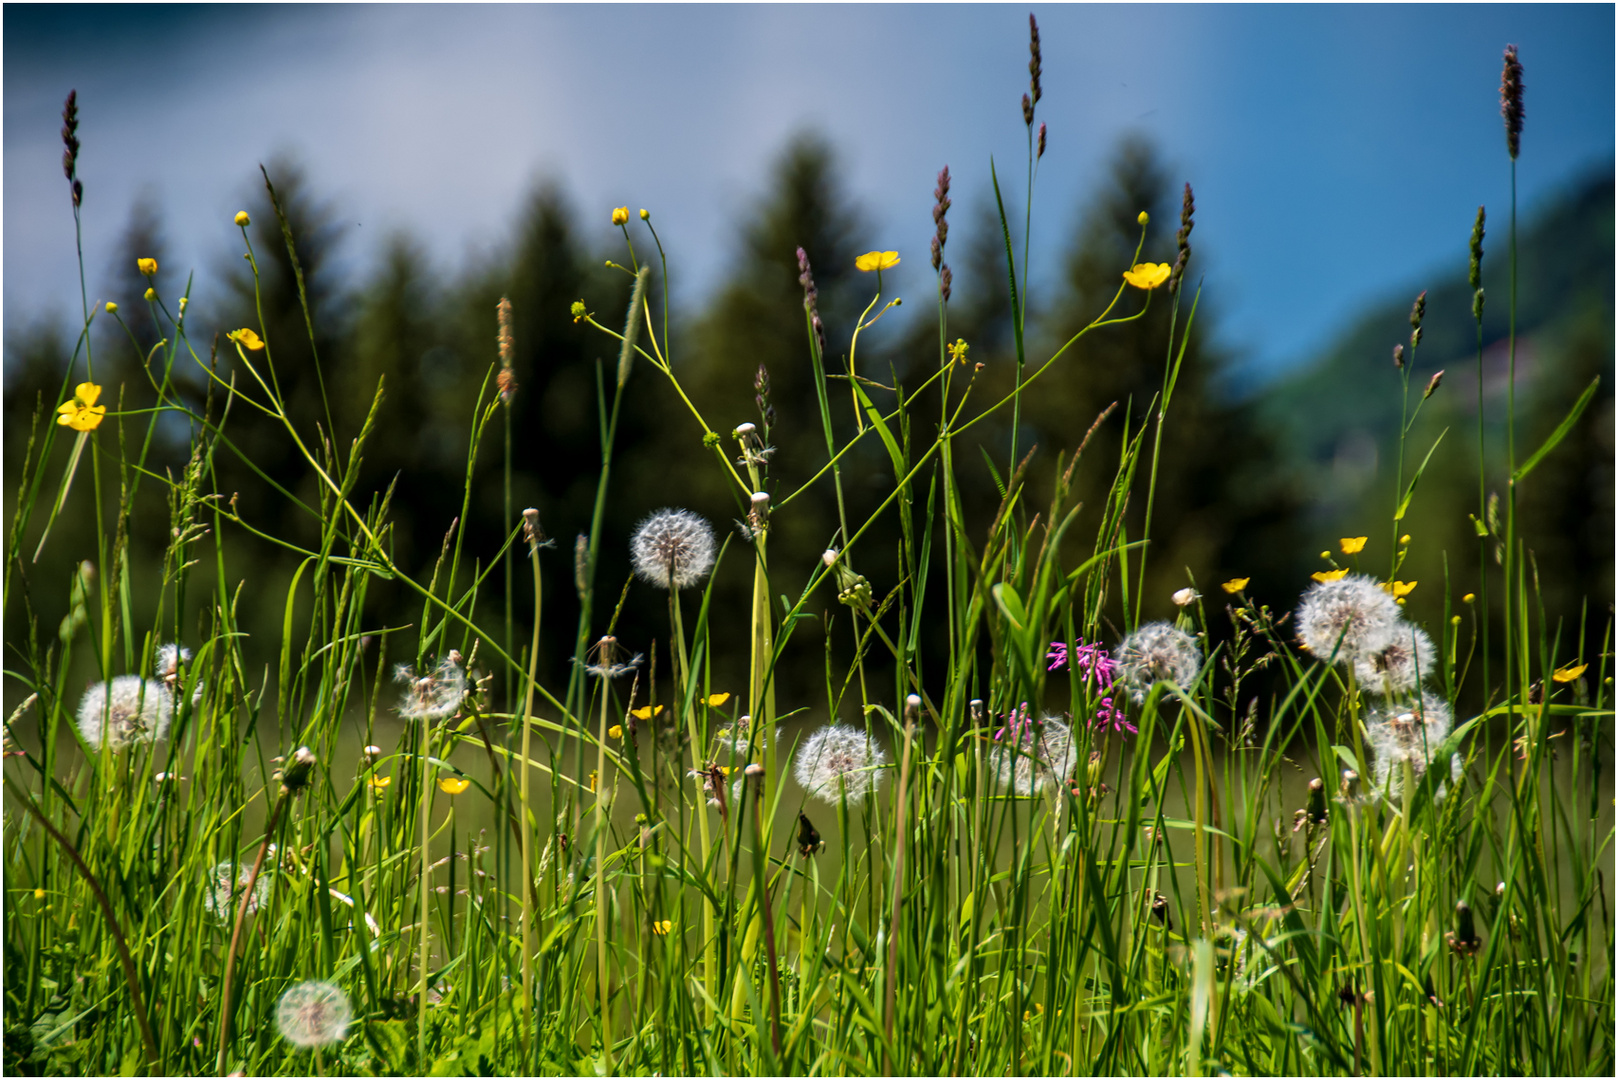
x=1338, y=153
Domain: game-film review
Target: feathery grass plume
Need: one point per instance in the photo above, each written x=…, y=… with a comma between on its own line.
x=1511, y=99
x=761, y=398
x=433, y=694
x=1347, y=618
x=1409, y=731
x=506, y=380
x=127, y=710
x=1033, y=758
x=1154, y=653
x=1034, y=69
x=672, y=549
x=839, y=760
x=70, y=144
x=313, y=1013
x=811, y=298
x=223, y=887
x=1188, y=209
x=1399, y=666
x=626, y=354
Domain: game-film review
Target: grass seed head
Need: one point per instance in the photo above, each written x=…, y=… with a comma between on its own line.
x=672, y=549
x=1511, y=100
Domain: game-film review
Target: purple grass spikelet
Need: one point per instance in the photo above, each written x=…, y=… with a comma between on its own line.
x=1511, y=100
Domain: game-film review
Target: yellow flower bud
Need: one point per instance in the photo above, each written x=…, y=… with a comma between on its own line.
x=242, y=219
x=1455, y=620
x=1468, y=598
x=1405, y=539
x=112, y=308
x=645, y=214
x=1143, y=217
x=147, y=266
x=151, y=294
x=39, y=894
x=620, y=215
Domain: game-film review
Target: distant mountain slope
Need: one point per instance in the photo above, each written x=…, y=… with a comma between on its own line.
x=1565, y=274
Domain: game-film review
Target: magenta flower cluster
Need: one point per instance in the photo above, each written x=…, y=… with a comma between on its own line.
x=1098, y=669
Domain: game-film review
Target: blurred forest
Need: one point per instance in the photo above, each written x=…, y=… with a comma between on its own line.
x=1251, y=484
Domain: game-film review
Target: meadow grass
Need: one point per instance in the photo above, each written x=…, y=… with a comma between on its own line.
x=1052, y=853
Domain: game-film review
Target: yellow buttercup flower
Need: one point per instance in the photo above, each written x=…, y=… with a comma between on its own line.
x=1468, y=598
x=82, y=413
x=615, y=732
x=593, y=778
x=1353, y=545
x=147, y=266
x=716, y=700
x=1235, y=585
x=1568, y=674
x=1329, y=575
x=661, y=927
x=1147, y=275
x=1399, y=589
x=380, y=782
x=246, y=338
x=957, y=351
x=876, y=260
x=645, y=712
x=453, y=785
x=242, y=219
x=620, y=215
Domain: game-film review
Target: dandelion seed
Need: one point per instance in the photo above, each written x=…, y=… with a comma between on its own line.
x=1345, y=618
x=839, y=761
x=1154, y=653
x=224, y=886
x=607, y=660
x=433, y=695
x=127, y=710
x=672, y=549
x=313, y=1013
x=1033, y=758
x=1410, y=732
x=1147, y=276
x=1400, y=665
x=82, y=413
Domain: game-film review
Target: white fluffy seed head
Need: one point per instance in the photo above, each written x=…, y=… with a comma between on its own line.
x=223, y=886
x=1355, y=611
x=431, y=696
x=313, y=1013
x=1154, y=653
x=1399, y=666
x=839, y=760
x=672, y=549
x=1411, y=731
x=128, y=710
x=167, y=668
x=1043, y=757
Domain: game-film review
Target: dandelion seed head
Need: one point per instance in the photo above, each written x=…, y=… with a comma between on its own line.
x=127, y=710
x=1400, y=665
x=1354, y=610
x=1154, y=653
x=313, y=1013
x=223, y=886
x=432, y=695
x=672, y=549
x=1035, y=757
x=1406, y=731
x=838, y=760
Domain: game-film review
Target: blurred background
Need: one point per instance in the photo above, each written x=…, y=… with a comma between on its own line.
x=433, y=159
